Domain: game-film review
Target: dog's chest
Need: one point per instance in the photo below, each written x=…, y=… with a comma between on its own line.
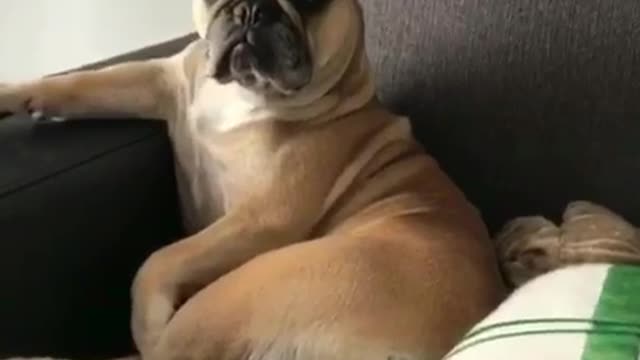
x=223, y=108
x=217, y=169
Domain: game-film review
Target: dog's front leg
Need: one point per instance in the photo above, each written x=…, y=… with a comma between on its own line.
x=173, y=274
x=145, y=89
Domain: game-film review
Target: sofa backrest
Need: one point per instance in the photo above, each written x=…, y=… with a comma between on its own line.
x=528, y=104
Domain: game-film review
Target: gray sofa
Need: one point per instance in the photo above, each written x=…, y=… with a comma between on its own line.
x=528, y=104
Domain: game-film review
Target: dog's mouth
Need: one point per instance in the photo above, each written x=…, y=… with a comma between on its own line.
x=258, y=67
x=241, y=60
x=267, y=55
x=235, y=61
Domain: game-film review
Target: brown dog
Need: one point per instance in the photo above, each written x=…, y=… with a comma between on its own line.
x=321, y=228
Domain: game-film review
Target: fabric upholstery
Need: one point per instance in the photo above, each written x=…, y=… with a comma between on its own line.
x=528, y=104
x=81, y=207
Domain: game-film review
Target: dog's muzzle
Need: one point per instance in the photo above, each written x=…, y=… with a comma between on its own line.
x=256, y=42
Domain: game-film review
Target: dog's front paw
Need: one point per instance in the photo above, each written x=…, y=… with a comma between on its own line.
x=155, y=293
x=11, y=100
x=35, y=99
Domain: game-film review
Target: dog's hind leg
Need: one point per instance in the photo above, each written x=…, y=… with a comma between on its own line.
x=379, y=295
x=532, y=246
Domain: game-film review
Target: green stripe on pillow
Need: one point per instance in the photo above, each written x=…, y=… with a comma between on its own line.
x=619, y=302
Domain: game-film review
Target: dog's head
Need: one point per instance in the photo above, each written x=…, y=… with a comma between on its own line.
x=276, y=47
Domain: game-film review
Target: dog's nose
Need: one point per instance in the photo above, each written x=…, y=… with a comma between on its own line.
x=259, y=13
x=263, y=13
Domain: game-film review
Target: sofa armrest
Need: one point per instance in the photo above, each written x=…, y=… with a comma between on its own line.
x=82, y=204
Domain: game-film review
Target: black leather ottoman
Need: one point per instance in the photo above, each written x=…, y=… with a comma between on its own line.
x=81, y=206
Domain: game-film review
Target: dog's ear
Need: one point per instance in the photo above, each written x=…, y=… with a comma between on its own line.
x=201, y=15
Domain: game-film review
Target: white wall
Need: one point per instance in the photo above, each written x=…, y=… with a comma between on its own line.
x=39, y=37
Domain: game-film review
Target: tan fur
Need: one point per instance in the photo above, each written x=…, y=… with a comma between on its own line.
x=321, y=230
x=533, y=245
